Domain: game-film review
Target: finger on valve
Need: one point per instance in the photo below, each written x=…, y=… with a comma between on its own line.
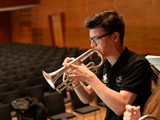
x=67, y=61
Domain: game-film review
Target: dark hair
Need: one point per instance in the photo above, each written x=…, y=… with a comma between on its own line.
x=109, y=20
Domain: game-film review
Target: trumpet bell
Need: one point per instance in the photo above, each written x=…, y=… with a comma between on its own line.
x=49, y=79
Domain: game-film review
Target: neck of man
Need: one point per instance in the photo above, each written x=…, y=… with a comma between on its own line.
x=112, y=59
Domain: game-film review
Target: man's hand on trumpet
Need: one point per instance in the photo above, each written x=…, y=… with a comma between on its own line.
x=78, y=72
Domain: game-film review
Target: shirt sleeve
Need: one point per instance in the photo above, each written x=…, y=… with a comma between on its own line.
x=137, y=78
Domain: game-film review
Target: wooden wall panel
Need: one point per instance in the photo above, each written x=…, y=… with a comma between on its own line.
x=143, y=39
x=141, y=17
x=56, y=29
x=22, y=26
x=13, y=3
x=5, y=27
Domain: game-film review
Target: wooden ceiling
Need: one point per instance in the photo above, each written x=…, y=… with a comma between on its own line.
x=9, y=5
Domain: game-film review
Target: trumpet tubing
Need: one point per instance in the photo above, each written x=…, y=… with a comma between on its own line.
x=147, y=117
x=52, y=77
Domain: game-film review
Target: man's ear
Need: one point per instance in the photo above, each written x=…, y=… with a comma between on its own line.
x=116, y=36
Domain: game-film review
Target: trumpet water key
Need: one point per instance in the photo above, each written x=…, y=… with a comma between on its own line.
x=52, y=77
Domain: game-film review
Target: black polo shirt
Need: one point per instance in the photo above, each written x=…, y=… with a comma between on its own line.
x=132, y=73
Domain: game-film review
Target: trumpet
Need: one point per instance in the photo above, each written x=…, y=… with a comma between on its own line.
x=147, y=117
x=52, y=77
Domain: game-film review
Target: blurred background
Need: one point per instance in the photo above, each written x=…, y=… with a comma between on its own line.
x=38, y=35
x=59, y=22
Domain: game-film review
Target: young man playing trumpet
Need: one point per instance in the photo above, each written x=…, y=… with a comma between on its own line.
x=124, y=78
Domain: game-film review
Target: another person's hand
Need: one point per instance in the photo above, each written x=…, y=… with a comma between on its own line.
x=132, y=113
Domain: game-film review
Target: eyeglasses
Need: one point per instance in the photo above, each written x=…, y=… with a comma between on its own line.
x=97, y=38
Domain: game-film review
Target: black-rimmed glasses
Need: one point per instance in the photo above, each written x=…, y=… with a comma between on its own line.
x=97, y=38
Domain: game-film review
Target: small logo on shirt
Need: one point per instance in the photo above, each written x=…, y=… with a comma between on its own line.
x=119, y=80
x=105, y=80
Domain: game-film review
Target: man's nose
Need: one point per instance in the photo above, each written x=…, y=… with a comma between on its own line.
x=93, y=44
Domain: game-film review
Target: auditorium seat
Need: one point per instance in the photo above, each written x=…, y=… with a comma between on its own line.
x=8, y=97
x=35, y=91
x=21, y=85
x=56, y=107
x=3, y=88
x=10, y=79
x=5, y=112
x=80, y=107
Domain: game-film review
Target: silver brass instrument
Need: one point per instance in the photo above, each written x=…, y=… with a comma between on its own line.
x=147, y=117
x=52, y=77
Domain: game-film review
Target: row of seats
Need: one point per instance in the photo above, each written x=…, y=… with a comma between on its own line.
x=56, y=109
x=20, y=61
x=21, y=68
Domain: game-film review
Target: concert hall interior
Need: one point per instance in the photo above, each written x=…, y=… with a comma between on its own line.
x=37, y=35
